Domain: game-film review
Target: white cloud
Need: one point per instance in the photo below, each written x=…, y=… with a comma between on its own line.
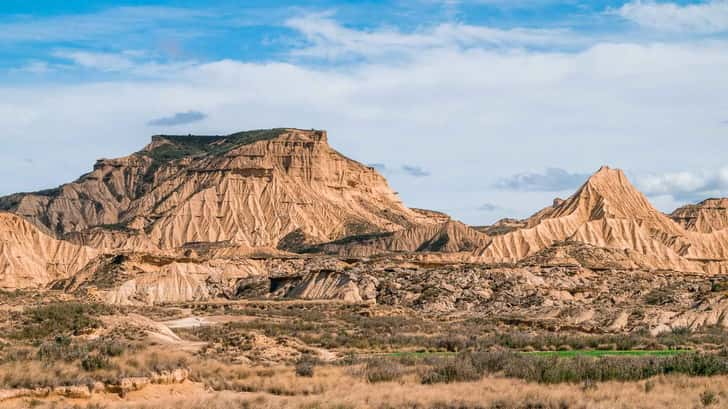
x=328, y=39
x=708, y=17
x=129, y=62
x=470, y=116
x=686, y=185
x=98, y=61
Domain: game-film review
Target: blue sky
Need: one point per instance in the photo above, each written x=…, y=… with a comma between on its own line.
x=480, y=108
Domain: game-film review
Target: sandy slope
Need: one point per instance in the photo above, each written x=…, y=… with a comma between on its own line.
x=608, y=211
x=29, y=257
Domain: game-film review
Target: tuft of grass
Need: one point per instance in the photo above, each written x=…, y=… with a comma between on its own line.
x=708, y=398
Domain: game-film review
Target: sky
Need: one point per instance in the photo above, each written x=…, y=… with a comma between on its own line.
x=479, y=108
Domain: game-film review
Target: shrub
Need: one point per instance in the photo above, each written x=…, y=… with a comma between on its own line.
x=382, y=370
x=51, y=320
x=708, y=398
x=459, y=369
x=94, y=362
x=305, y=367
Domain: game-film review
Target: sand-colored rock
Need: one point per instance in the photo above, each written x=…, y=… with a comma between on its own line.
x=705, y=217
x=607, y=211
x=448, y=237
x=139, y=278
x=328, y=286
x=32, y=258
x=273, y=188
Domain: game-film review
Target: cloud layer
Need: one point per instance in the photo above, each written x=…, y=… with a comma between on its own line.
x=707, y=17
x=686, y=186
x=455, y=114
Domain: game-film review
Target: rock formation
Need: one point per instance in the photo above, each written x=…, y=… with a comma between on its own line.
x=273, y=188
x=607, y=211
x=192, y=218
x=31, y=258
x=448, y=237
x=705, y=217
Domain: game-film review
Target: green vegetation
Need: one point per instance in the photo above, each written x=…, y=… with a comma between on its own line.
x=351, y=327
x=58, y=319
x=194, y=145
x=598, y=353
x=576, y=369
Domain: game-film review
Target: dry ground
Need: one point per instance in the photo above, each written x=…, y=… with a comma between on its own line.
x=341, y=390
x=251, y=355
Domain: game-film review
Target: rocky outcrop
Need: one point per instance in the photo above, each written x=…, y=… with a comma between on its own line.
x=122, y=387
x=138, y=278
x=448, y=237
x=705, y=217
x=32, y=258
x=273, y=188
x=607, y=211
x=326, y=285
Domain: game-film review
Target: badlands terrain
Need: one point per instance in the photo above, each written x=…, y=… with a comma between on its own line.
x=265, y=269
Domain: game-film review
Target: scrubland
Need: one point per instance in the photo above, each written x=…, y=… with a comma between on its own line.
x=327, y=355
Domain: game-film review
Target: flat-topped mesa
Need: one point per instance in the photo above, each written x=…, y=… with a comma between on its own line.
x=194, y=145
x=260, y=188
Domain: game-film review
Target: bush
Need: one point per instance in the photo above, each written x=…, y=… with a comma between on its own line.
x=382, y=370
x=305, y=367
x=63, y=348
x=579, y=369
x=56, y=319
x=708, y=398
x=94, y=362
x=460, y=369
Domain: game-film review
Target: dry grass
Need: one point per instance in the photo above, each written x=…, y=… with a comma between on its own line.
x=340, y=390
x=468, y=380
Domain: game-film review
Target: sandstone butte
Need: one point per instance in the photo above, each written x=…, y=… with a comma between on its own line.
x=187, y=208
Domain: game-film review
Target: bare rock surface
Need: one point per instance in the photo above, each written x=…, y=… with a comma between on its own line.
x=32, y=258
x=268, y=188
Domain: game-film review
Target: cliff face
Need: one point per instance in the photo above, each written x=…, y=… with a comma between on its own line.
x=274, y=188
x=31, y=258
x=705, y=217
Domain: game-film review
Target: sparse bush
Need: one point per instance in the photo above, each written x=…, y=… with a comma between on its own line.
x=305, y=367
x=708, y=398
x=382, y=370
x=452, y=343
x=94, y=362
x=459, y=369
x=56, y=319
